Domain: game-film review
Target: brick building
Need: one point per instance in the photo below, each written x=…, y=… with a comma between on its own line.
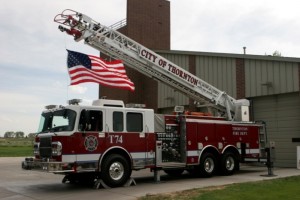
x=270, y=83
x=148, y=22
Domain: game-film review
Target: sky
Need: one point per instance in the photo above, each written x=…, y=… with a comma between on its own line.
x=33, y=51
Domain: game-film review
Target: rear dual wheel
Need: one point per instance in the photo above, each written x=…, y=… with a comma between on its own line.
x=207, y=166
x=229, y=163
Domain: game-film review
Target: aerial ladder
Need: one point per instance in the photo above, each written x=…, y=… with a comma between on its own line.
x=134, y=55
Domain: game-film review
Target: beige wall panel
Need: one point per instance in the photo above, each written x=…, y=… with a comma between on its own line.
x=282, y=115
x=218, y=71
x=270, y=77
x=167, y=96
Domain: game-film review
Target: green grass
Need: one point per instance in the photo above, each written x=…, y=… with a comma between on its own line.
x=11, y=151
x=276, y=189
x=16, y=147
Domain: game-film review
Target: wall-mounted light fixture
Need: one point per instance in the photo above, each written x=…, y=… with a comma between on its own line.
x=268, y=84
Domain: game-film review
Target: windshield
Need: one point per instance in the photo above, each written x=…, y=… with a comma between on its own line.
x=57, y=121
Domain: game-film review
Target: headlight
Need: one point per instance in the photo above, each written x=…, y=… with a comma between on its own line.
x=56, y=148
x=36, y=150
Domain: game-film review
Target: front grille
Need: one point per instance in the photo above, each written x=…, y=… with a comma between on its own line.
x=45, y=147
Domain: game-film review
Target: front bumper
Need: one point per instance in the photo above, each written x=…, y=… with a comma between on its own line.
x=47, y=165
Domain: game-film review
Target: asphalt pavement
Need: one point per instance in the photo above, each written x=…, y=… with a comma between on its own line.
x=16, y=183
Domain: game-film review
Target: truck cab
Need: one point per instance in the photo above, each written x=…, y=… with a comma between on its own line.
x=105, y=136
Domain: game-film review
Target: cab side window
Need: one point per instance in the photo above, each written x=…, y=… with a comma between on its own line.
x=118, y=125
x=91, y=120
x=134, y=122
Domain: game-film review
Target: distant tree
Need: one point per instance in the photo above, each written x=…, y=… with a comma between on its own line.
x=9, y=134
x=31, y=135
x=276, y=53
x=19, y=134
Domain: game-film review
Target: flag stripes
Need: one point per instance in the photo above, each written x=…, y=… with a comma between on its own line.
x=87, y=68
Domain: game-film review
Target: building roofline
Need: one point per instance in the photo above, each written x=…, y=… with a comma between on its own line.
x=232, y=55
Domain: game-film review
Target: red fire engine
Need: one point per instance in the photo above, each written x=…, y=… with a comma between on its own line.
x=107, y=140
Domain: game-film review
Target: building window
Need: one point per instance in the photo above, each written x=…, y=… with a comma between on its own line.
x=134, y=122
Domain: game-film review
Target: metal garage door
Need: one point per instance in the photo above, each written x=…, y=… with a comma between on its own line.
x=282, y=115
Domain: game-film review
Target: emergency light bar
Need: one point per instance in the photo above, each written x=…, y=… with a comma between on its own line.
x=135, y=105
x=74, y=101
x=49, y=107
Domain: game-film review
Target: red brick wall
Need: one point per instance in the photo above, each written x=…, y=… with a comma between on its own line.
x=148, y=22
x=240, y=78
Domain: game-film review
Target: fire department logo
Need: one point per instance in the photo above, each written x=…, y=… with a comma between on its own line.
x=91, y=143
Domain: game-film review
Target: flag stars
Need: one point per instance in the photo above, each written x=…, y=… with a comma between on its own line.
x=75, y=59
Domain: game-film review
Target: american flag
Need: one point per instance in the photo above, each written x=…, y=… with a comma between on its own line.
x=87, y=68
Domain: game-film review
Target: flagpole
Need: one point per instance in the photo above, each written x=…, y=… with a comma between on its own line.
x=67, y=67
x=99, y=91
x=68, y=93
x=99, y=88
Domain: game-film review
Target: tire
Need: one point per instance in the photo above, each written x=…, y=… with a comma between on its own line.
x=207, y=166
x=229, y=163
x=115, y=170
x=174, y=172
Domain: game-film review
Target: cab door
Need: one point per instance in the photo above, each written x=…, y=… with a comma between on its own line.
x=136, y=137
x=90, y=135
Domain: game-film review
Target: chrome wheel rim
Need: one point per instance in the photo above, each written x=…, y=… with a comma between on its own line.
x=116, y=171
x=209, y=165
x=229, y=164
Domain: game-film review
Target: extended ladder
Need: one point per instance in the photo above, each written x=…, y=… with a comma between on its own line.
x=142, y=59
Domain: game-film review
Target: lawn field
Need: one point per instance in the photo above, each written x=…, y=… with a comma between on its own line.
x=276, y=189
x=16, y=147
x=16, y=151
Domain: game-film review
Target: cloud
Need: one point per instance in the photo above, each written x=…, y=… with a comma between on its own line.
x=87, y=92
x=214, y=26
x=5, y=119
x=19, y=112
x=77, y=89
x=33, y=50
x=33, y=57
x=30, y=35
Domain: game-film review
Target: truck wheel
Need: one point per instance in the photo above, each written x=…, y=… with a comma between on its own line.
x=228, y=163
x=115, y=170
x=174, y=172
x=207, y=166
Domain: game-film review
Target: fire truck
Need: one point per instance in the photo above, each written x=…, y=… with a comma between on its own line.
x=107, y=140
